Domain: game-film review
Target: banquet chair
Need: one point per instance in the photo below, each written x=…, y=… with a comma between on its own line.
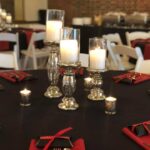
x=83, y=58
x=117, y=53
x=136, y=35
x=143, y=66
x=113, y=37
x=34, y=53
x=9, y=59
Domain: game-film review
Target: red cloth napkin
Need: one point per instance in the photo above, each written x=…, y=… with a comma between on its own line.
x=28, y=36
x=4, y=46
x=77, y=145
x=143, y=141
x=14, y=76
x=145, y=43
x=134, y=42
x=147, y=51
x=131, y=78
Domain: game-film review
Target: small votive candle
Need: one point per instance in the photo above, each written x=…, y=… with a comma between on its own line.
x=110, y=105
x=25, y=96
x=88, y=82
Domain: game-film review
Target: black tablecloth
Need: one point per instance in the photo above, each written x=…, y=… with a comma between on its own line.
x=100, y=131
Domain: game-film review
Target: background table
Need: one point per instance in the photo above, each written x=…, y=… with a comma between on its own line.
x=99, y=130
x=89, y=31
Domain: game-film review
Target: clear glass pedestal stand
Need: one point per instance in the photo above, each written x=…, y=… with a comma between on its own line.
x=53, y=90
x=96, y=93
x=68, y=87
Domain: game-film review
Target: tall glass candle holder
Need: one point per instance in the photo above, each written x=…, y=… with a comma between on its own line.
x=53, y=90
x=69, y=58
x=97, y=59
x=54, y=24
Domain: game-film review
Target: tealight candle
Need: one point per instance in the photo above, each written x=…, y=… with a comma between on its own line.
x=88, y=82
x=53, y=30
x=25, y=94
x=110, y=105
x=97, y=59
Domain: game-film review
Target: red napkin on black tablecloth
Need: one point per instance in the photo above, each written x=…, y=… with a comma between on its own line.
x=14, y=76
x=77, y=145
x=140, y=133
x=131, y=78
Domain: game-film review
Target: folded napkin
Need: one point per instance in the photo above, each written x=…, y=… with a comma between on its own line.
x=137, y=41
x=131, y=78
x=78, y=71
x=140, y=133
x=4, y=46
x=77, y=145
x=15, y=76
x=144, y=44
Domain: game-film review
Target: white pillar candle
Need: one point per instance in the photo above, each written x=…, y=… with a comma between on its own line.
x=69, y=51
x=9, y=19
x=97, y=58
x=53, y=30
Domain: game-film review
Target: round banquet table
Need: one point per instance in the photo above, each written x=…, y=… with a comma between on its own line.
x=99, y=131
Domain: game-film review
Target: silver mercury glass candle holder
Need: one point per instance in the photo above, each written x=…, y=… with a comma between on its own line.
x=68, y=88
x=96, y=92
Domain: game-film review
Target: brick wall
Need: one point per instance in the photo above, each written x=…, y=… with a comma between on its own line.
x=79, y=8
